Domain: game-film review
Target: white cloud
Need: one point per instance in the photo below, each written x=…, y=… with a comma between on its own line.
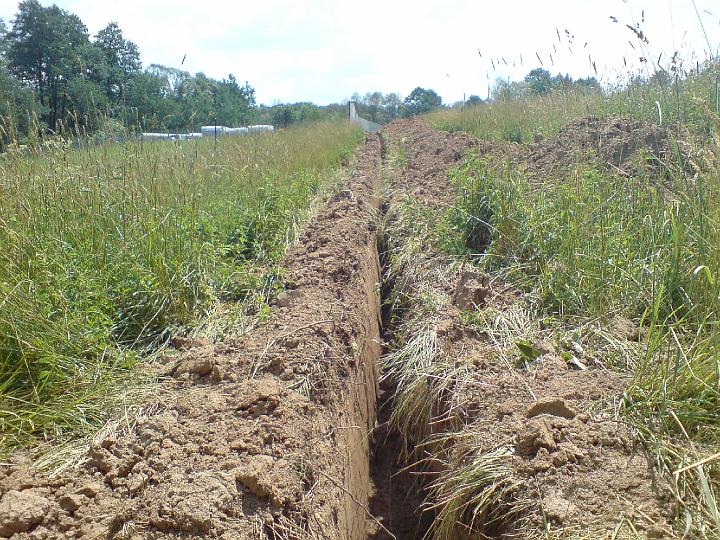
x=322, y=50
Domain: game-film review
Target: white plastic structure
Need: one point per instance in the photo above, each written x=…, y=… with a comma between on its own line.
x=210, y=131
x=261, y=127
x=155, y=136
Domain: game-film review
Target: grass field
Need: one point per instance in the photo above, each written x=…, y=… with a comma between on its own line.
x=109, y=250
x=587, y=245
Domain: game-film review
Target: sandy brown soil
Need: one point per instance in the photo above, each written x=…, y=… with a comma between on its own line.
x=263, y=437
x=618, y=145
x=574, y=464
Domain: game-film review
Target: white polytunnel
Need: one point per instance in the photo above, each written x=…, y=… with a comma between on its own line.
x=211, y=131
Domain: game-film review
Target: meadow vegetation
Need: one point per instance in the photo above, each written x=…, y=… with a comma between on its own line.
x=589, y=245
x=109, y=250
x=690, y=100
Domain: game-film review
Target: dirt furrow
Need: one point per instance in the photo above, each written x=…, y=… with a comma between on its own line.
x=293, y=432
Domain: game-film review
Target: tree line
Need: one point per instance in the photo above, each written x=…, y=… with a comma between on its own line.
x=540, y=82
x=382, y=108
x=57, y=78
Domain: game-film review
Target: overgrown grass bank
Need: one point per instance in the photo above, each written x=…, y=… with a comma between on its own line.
x=587, y=245
x=110, y=249
x=691, y=100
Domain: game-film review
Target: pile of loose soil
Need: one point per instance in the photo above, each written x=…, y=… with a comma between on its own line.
x=620, y=145
x=262, y=437
x=572, y=463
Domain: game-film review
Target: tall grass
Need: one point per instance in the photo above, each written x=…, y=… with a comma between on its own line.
x=594, y=244
x=518, y=120
x=109, y=249
x=669, y=97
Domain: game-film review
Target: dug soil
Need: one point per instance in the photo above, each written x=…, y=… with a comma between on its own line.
x=571, y=465
x=284, y=432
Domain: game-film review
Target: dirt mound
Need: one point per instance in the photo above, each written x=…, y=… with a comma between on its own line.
x=540, y=429
x=262, y=437
x=578, y=465
x=623, y=146
x=430, y=154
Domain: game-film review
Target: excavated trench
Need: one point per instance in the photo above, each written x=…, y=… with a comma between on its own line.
x=397, y=497
x=284, y=432
x=396, y=501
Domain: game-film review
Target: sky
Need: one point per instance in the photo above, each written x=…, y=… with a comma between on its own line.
x=325, y=50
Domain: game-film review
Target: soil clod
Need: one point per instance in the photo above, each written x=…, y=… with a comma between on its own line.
x=551, y=406
x=21, y=510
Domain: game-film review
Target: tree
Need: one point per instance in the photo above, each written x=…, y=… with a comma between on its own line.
x=121, y=59
x=197, y=99
x=3, y=37
x=88, y=104
x=588, y=82
x=393, y=105
x=234, y=102
x=174, y=79
x=49, y=66
x=378, y=107
x=473, y=100
x=539, y=81
x=282, y=116
x=421, y=101
x=147, y=104
x=47, y=48
x=19, y=110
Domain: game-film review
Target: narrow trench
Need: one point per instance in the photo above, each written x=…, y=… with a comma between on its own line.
x=397, y=497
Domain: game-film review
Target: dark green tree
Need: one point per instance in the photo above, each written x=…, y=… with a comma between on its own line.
x=198, y=101
x=234, y=103
x=88, y=104
x=539, y=81
x=121, y=61
x=148, y=107
x=282, y=116
x=49, y=66
x=47, y=48
x=421, y=100
x=19, y=110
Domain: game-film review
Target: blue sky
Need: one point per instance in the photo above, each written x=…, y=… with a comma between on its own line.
x=323, y=51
